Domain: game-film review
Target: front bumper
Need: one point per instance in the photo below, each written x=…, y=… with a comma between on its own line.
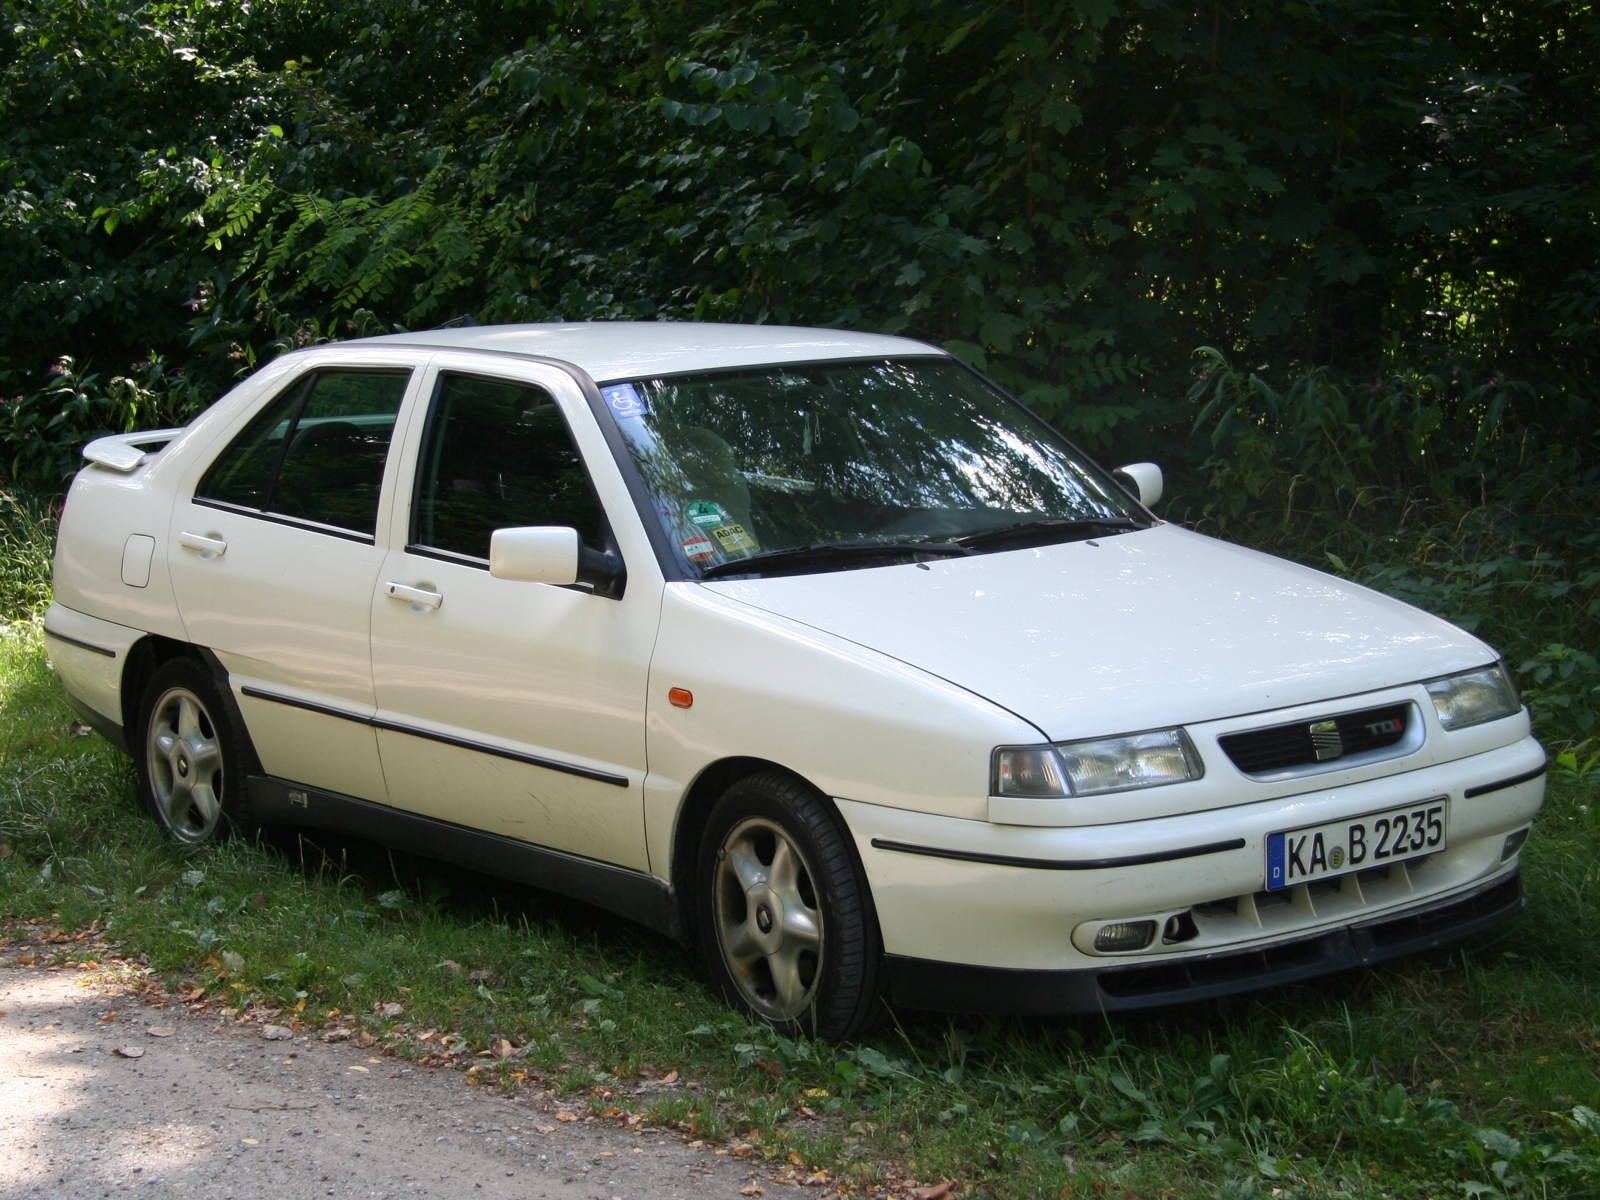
x=956, y=987
x=962, y=904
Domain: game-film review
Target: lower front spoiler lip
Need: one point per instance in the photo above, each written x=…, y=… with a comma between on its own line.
x=960, y=987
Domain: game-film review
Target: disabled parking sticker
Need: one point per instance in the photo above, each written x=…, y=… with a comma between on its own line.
x=625, y=401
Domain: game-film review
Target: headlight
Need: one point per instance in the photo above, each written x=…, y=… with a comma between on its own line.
x=1091, y=768
x=1139, y=760
x=1474, y=697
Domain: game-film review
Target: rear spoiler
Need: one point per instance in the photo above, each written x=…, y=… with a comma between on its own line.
x=125, y=451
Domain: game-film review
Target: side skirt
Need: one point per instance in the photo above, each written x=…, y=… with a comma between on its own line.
x=631, y=894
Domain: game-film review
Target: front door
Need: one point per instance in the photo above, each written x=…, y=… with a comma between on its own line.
x=273, y=562
x=516, y=708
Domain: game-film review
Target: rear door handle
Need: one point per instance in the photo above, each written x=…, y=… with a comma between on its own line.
x=418, y=598
x=209, y=547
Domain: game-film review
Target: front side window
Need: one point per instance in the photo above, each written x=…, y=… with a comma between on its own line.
x=316, y=453
x=822, y=467
x=497, y=455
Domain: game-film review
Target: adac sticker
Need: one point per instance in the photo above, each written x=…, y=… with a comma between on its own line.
x=733, y=538
x=624, y=400
x=705, y=514
x=699, y=548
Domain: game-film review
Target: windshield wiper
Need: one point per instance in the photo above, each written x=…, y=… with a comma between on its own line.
x=1045, y=531
x=824, y=552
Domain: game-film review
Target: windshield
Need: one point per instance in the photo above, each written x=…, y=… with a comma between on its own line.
x=824, y=467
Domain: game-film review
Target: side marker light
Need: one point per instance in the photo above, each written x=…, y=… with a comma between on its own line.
x=680, y=697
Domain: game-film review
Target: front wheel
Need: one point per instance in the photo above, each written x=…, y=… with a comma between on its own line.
x=191, y=759
x=785, y=917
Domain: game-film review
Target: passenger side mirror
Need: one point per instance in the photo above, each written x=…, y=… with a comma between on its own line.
x=553, y=554
x=535, y=554
x=1142, y=481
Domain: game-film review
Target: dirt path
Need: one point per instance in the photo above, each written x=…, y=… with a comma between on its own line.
x=213, y=1110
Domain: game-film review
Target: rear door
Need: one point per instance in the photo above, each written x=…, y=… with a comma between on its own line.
x=274, y=554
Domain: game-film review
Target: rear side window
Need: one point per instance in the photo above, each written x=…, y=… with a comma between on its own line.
x=315, y=453
x=497, y=455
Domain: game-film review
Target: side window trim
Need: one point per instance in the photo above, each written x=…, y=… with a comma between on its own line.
x=244, y=510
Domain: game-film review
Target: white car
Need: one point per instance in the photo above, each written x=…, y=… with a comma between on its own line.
x=812, y=646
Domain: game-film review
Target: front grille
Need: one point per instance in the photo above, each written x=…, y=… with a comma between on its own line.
x=1307, y=743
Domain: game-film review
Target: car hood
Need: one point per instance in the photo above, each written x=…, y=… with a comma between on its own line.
x=1135, y=631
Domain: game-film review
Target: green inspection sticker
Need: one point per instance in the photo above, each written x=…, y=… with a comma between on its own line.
x=706, y=514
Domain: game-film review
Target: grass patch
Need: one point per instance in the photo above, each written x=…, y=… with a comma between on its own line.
x=1466, y=1072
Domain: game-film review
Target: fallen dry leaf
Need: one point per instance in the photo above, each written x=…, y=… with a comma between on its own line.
x=938, y=1191
x=451, y=963
x=161, y=1031
x=752, y=1189
x=276, y=1033
x=365, y=1039
x=129, y=1052
x=545, y=1128
x=363, y=1070
x=563, y=1115
x=503, y=1048
x=251, y=1141
x=670, y=1077
x=390, y=1009
x=336, y=1035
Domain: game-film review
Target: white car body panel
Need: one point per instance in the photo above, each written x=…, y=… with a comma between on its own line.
x=1144, y=630
x=88, y=654
x=288, y=611
x=530, y=668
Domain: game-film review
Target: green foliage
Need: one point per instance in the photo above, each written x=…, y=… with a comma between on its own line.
x=1376, y=221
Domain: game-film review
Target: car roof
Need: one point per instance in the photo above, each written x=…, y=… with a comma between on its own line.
x=611, y=350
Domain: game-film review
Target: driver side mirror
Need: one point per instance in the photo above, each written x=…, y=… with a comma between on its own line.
x=1142, y=481
x=553, y=554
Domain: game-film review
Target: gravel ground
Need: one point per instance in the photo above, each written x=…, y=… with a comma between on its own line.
x=205, y=1108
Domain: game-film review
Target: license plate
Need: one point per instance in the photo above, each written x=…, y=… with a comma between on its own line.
x=1375, y=840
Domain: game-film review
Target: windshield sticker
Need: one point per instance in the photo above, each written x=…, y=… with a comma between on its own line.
x=625, y=401
x=733, y=538
x=699, y=548
x=706, y=514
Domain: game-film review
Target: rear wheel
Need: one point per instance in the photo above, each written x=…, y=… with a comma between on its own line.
x=785, y=917
x=190, y=758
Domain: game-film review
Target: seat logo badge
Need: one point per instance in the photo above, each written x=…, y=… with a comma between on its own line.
x=298, y=798
x=1325, y=740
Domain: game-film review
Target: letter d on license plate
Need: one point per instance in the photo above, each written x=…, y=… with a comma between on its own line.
x=1358, y=844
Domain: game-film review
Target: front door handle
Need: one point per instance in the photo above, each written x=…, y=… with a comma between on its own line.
x=209, y=547
x=418, y=598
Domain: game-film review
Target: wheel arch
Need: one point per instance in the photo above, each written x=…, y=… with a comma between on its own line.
x=708, y=787
x=149, y=654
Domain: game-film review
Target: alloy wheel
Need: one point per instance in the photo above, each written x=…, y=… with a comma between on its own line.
x=184, y=755
x=768, y=920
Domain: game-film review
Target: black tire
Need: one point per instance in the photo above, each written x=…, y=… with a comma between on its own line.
x=766, y=963
x=190, y=757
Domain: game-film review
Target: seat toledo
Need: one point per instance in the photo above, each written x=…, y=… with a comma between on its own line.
x=814, y=647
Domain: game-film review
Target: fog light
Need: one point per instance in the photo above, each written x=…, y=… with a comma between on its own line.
x=1125, y=935
x=1514, y=843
